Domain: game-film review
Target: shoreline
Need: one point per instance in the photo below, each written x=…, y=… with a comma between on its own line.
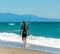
x=31, y=47
x=11, y=50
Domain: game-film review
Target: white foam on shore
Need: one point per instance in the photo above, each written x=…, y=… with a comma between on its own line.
x=41, y=41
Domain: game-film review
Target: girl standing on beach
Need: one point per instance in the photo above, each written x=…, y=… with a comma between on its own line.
x=24, y=30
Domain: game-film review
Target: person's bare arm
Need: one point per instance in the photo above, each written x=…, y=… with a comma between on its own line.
x=28, y=31
x=21, y=29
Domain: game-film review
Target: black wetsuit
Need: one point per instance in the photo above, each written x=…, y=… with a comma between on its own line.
x=24, y=32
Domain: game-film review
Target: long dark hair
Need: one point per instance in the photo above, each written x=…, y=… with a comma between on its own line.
x=24, y=24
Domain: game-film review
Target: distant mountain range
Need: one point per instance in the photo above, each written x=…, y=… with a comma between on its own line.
x=9, y=17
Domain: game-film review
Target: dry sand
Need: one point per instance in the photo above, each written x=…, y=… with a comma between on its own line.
x=10, y=50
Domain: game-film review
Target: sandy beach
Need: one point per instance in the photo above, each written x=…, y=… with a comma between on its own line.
x=9, y=50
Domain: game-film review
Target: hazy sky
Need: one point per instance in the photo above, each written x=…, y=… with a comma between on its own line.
x=42, y=8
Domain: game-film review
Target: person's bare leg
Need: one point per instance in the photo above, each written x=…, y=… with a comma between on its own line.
x=24, y=41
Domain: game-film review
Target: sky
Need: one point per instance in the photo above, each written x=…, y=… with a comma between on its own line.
x=41, y=8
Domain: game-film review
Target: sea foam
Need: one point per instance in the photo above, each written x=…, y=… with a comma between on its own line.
x=11, y=24
x=41, y=41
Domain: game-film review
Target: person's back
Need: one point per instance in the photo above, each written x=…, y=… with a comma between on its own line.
x=24, y=30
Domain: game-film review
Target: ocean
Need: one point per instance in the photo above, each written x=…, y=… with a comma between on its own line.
x=44, y=36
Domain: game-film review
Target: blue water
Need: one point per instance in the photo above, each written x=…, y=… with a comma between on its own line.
x=47, y=35
x=44, y=29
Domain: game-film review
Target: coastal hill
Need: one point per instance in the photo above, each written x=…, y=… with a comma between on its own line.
x=9, y=17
